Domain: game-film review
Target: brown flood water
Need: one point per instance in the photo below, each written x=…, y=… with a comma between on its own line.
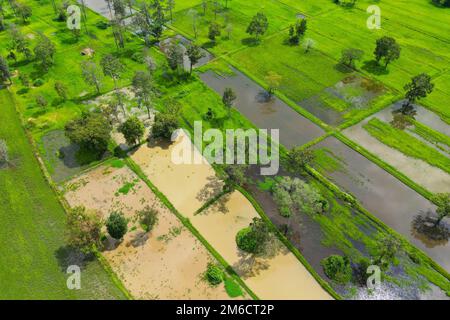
x=387, y=198
x=295, y=130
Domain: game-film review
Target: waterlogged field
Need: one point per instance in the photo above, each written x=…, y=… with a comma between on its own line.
x=189, y=187
x=315, y=96
x=166, y=263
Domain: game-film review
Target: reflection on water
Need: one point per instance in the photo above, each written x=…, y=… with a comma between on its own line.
x=425, y=229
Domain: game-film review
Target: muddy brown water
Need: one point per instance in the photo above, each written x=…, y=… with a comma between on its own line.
x=384, y=196
x=252, y=102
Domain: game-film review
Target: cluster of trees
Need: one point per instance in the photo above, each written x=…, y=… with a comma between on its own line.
x=442, y=3
x=84, y=227
x=254, y=238
x=294, y=196
x=297, y=31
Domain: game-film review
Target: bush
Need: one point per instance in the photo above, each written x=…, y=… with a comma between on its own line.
x=91, y=132
x=214, y=274
x=38, y=82
x=245, y=241
x=337, y=268
x=83, y=229
x=253, y=239
x=148, y=217
x=117, y=225
x=138, y=57
x=102, y=25
x=165, y=124
x=133, y=130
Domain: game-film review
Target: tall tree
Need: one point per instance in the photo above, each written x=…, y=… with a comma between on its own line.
x=84, y=229
x=388, y=49
x=228, y=99
x=170, y=5
x=442, y=201
x=158, y=19
x=19, y=42
x=144, y=89
x=194, y=54
x=194, y=16
x=214, y=31
x=91, y=74
x=133, y=130
x=5, y=74
x=141, y=22
x=25, y=11
x=113, y=68
x=61, y=90
x=350, y=55
x=44, y=52
x=258, y=26
x=419, y=87
x=175, y=56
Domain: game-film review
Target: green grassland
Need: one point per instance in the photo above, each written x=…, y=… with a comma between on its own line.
x=33, y=253
x=437, y=138
x=407, y=144
x=425, y=47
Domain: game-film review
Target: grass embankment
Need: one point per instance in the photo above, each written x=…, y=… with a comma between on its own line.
x=33, y=252
x=435, y=137
x=407, y=144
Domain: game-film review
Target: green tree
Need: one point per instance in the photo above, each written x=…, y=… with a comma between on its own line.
x=214, y=275
x=442, y=201
x=158, y=19
x=298, y=158
x=133, y=130
x=337, y=268
x=258, y=26
x=214, y=31
x=41, y=101
x=228, y=99
x=113, y=68
x=19, y=42
x=117, y=225
x=148, y=217
x=170, y=5
x=166, y=122
x=91, y=131
x=61, y=90
x=144, y=89
x=194, y=54
x=175, y=56
x=254, y=238
x=5, y=74
x=419, y=87
x=387, y=246
x=44, y=52
x=25, y=11
x=388, y=49
x=350, y=55
x=91, y=74
x=83, y=229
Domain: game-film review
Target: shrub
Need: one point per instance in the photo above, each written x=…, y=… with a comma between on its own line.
x=102, y=25
x=91, y=131
x=253, y=239
x=83, y=229
x=38, y=82
x=148, y=217
x=337, y=268
x=214, y=274
x=133, y=130
x=138, y=57
x=117, y=225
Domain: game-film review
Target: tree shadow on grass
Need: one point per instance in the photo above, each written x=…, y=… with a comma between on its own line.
x=250, y=42
x=343, y=68
x=372, y=66
x=68, y=256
